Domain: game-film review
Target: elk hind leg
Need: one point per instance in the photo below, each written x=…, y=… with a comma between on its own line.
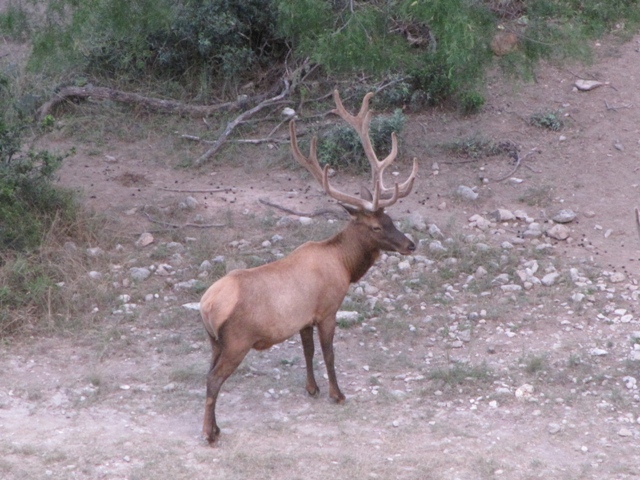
x=306, y=335
x=224, y=362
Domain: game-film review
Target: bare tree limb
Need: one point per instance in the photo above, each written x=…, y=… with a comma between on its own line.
x=213, y=190
x=316, y=213
x=185, y=225
x=239, y=119
x=519, y=160
x=155, y=104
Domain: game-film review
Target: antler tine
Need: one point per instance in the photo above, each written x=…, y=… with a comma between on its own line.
x=311, y=162
x=322, y=175
x=361, y=123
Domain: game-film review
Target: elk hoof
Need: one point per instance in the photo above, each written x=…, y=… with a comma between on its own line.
x=313, y=391
x=212, y=439
x=339, y=399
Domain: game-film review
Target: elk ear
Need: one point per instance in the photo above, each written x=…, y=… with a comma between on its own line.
x=353, y=211
x=365, y=194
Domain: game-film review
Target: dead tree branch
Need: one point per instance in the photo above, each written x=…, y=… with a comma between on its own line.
x=316, y=213
x=212, y=190
x=238, y=120
x=519, y=161
x=155, y=104
x=184, y=225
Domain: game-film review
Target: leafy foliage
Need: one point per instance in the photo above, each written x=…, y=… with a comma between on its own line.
x=340, y=146
x=440, y=48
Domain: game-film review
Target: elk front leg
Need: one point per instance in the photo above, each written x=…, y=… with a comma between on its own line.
x=306, y=335
x=326, y=331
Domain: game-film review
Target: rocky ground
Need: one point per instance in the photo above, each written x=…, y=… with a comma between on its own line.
x=507, y=347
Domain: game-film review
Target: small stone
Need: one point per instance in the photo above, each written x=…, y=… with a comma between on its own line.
x=436, y=246
x=347, y=317
x=586, y=85
x=559, y=232
x=466, y=193
x=553, y=428
x=598, y=352
x=93, y=275
x=95, y=252
x=305, y=221
x=435, y=232
x=625, y=432
x=139, y=273
x=145, y=239
x=502, y=215
x=550, y=279
x=511, y=288
x=617, y=277
x=170, y=387
x=524, y=391
x=191, y=203
x=192, y=306
x=417, y=222
x=564, y=216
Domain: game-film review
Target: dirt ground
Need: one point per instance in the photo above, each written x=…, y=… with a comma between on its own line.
x=125, y=399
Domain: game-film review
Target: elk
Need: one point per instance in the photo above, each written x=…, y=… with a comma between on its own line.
x=260, y=307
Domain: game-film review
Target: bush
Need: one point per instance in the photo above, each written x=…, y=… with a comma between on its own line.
x=199, y=42
x=31, y=206
x=340, y=146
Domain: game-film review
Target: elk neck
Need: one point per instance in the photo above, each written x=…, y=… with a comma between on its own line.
x=356, y=250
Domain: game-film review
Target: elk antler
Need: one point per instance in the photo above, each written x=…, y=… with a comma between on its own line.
x=382, y=196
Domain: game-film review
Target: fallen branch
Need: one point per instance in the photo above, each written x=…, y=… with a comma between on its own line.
x=185, y=225
x=519, y=160
x=213, y=190
x=155, y=104
x=316, y=213
x=615, y=108
x=238, y=120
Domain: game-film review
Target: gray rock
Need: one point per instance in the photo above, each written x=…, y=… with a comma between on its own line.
x=417, y=222
x=139, y=273
x=553, y=428
x=550, y=279
x=436, y=246
x=466, y=193
x=502, y=215
x=93, y=275
x=559, y=232
x=145, y=239
x=617, y=277
x=435, y=232
x=564, y=216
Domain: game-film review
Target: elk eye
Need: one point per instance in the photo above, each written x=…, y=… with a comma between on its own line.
x=376, y=228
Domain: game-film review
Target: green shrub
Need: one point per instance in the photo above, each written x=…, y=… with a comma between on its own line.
x=470, y=102
x=550, y=120
x=340, y=146
x=197, y=41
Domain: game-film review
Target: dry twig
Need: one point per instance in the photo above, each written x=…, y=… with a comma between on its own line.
x=316, y=213
x=238, y=120
x=519, y=160
x=185, y=225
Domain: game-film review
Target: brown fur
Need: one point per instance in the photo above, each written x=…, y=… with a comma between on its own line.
x=262, y=306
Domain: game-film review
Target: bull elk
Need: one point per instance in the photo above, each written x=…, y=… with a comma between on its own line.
x=259, y=307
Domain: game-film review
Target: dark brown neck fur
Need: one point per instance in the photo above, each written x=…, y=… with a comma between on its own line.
x=358, y=254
